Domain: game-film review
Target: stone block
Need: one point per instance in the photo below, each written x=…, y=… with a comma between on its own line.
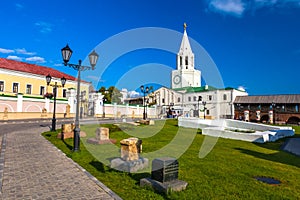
x=67, y=131
x=102, y=133
x=164, y=169
x=102, y=137
x=131, y=148
x=70, y=135
x=166, y=187
x=96, y=141
x=67, y=128
x=164, y=176
x=144, y=122
x=129, y=166
x=151, y=122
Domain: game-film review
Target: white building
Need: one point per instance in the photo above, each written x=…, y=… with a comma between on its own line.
x=187, y=97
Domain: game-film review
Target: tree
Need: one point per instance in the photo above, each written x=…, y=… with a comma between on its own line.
x=115, y=94
x=102, y=90
x=112, y=94
x=151, y=96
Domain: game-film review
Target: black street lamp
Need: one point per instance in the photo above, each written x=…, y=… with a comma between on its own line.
x=204, y=108
x=82, y=96
x=199, y=99
x=239, y=110
x=93, y=57
x=144, y=91
x=55, y=86
x=273, y=109
x=104, y=99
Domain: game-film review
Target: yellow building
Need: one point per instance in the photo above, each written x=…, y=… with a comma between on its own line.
x=24, y=83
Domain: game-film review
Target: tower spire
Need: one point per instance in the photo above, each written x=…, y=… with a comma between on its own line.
x=184, y=26
x=185, y=75
x=185, y=55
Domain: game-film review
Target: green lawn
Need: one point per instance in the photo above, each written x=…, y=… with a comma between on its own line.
x=227, y=172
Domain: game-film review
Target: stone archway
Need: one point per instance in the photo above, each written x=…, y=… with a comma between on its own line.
x=293, y=120
x=264, y=118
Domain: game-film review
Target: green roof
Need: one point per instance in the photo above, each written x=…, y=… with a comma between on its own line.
x=196, y=89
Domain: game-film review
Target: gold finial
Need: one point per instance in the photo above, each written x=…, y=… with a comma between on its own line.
x=184, y=26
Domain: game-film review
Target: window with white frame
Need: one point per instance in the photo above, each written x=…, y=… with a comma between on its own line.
x=1, y=86
x=28, y=89
x=15, y=87
x=224, y=97
x=210, y=97
x=42, y=90
x=64, y=93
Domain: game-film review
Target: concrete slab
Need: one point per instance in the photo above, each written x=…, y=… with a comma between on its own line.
x=292, y=145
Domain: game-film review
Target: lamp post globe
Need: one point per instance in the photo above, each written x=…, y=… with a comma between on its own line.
x=48, y=79
x=66, y=54
x=93, y=57
x=63, y=81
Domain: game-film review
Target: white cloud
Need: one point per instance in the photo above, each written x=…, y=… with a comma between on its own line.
x=44, y=27
x=239, y=7
x=233, y=7
x=15, y=58
x=19, y=6
x=94, y=78
x=58, y=65
x=25, y=52
x=36, y=59
x=133, y=93
x=276, y=3
x=242, y=88
x=6, y=50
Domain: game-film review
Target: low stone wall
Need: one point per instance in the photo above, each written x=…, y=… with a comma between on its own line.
x=30, y=115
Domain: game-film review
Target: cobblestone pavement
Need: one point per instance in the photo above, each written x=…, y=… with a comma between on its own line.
x=35, y=169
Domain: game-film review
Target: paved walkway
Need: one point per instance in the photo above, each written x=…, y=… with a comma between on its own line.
x=35, y=169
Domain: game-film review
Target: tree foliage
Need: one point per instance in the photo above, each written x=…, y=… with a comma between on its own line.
x=111, y=94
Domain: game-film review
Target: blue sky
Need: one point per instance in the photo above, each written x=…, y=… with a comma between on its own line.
x=253, y=43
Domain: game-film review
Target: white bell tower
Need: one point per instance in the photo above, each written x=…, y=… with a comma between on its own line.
x=185, y=75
